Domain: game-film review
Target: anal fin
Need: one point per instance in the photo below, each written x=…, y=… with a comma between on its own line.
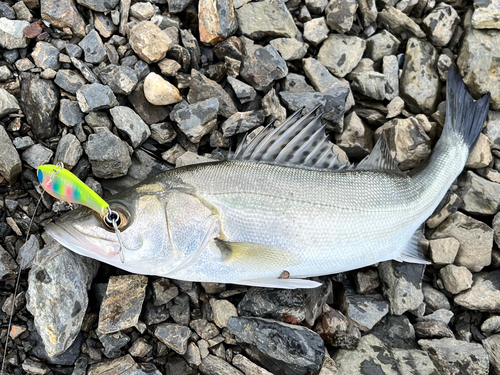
x=414, y=250
x=271, y=282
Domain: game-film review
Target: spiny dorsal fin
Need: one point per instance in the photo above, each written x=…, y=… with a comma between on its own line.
x=380, y=158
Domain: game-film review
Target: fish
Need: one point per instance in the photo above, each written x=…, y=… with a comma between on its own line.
x=281, y=208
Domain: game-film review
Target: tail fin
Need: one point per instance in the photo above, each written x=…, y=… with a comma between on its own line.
x=464, y=117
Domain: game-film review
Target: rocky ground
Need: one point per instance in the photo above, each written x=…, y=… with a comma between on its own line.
x=120, y=91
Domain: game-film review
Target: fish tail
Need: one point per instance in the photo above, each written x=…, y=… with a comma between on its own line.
x=464, y=117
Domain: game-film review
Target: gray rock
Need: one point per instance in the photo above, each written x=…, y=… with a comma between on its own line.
x=375, y=356
x=451, y=356
x=212, y=365
x=183, y=158
x=492, y=129
x=420, y=85
x=440, y=24
x=397, y=22
x=128, y=121
x=480, y=196
x=140, y=348
x=98, y=120
x=395, y=107
x=21, y=143
x=390, y=69
x=450, y=203
x=217, y=21
x=455, y=279
x=248, y=367
x=484, y=294
x=337, y=330
x=475, y=237
x=104, y=25
x=191, y=43
x=175, y=336
x=113, y=342
x=272, y=107
x=204, y=329
x=365, y=310
x=99, y=5
x=10, y=163
x=149, y=42
x=163, y=132
x=70, y=113
x=222, y=311
x=396, y=332
x=8, y=103
x=340, y=53
x=59, y=272
x=262, y=66
x=477, y=71
x=150, y=113
x=296, y=83
x=380, y=45
x=370, y=84
x=123, y=365
x=94, y=97
x=69, y=80
x=5, y=73
x=12, y=33
x=68, y=151
x=203, y=88
x=197, y=120
x=164, y=291
x=120, y=79
x=496, y=228
x=87, y=73
x=241, y=122
x=315, y=31
x=108, y=155
x=35, y=367
x=169, y=67
x=357, y=138
x=491, y=325
x=39, y=102
x=122, y=304
x=282, y=348
x=316, y=6
x=340, y=15
x=289, y=48
x=93, y=48
x=231, y=47
x=492, y=346
x=8, y=266
x=37, y=155
x=434, y=299
x=45, y=55
x=366, y=281
x=244, y=92
x=368, y=11
x=440, y=315
x=257, y=20
x=444, y=250
x=181, y=311
x=7, y=11
x=485, y=15
x=177, y=6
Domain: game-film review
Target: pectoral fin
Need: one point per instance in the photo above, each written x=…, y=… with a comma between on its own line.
x=270, y=282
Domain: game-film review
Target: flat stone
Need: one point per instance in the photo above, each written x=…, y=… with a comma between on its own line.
x=70, y=113
x=197, y=120
x=36, y=155
x=357, y=138
x=159, y=91
x=440, y=24
x=397, y=22
x=381, y=44
x=93, y=48
x=455, y=279
x=217, y=21
x=35, y=367
x=444, y=250
x=340, y=15
x=434, y=299
x=175, y=336
x=340, y=53
x=20, y=143
x=84, y=69
x=164, y=291
x=484, y=294
x=241, y=122
x=368, y=11
x=212, y=365
x=262, y=66
x=123, y=365
x=188, y=158
x=129, y=122
x=120, y=79
x=440, y=315
x=99, y=5
x=248, y=367
x=272, y=108
x=108, y=155
x=480, y=196
x=58, y=281
x=365, y=310
x=104, y=24
x=95, y=97
x=68, y=151
x=69, y=80
x=315, y=31
x=24, y=65
x=257, y=20
x=45, y=55
x=289, y=48
x=12, y=33
x=390, y=69
x=475, y=237
x=149, y=42
x=122, y=304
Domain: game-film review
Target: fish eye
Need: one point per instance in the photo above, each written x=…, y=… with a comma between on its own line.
x=117, y=214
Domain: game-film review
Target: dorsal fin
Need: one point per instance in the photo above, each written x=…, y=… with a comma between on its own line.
x=380, y=158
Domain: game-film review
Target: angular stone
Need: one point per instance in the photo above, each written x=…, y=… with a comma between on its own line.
x=174, y=336
x=94, y=97
x=272, y=107
x=397, y=22
x=370, y=84
x=142, y=11
x=159, y=91
x=177, y=6
x=169, y=67
x=189, y=158
x=257, y=20
x=289, y=48
x=70, y=113
x=315, y=31
x=241, y=122
x=69, y=80
x=261, y=66
x=440, y=24
x=340, y=15
x=248, y=367
x=37, y=155
x=368, y=11
x=480, y=156
x=108, y=155
x=480, y=196
x=280, y=347
x=244, y=92
x=366, y=281
x=10, y=163
x=68, y=151
x=198, y=119
x=87, y=73
x=420, y=85
x=8, y=103
x=484, y=294
x=217, y=21
x=212, y=365
x=128, y=121
x=46, y=56
x=455, y=279
x=444, y=250
x=164, y=291
x=492, y=346
x=191, y=44
x=8, y=269
x=123, y=365
x=337, y=330
x=58, y=281
x=150, y=113
x=486, y=16
x=104, y=25
x=120, y=79
x=222, y=310
x=149, y=42
x=365, y=310
x=99, y=5
x=204, y=329
x=163, y=132
x=11, y=33
x=380, y=45
x=434, y=299
x=231, y=47
x=357, y=138
x=93, y=48
x=340, y=53
x=475, y=237
x=7, y=11
x=122, y=304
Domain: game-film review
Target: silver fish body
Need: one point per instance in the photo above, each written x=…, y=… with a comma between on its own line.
x=246, y=222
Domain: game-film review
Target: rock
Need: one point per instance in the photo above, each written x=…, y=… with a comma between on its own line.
x=24, y=65
x=217, y=21
x=272, y=107
x=492, y=129
x=164, y=291
x=434, y=299
x=340, y=53
x=241, y=122
x=45, y=55
x=402, y=285
x=212, y=365
x=262, y=66
x=39, y=102
x=370, y=84
x=122, y=304
x=368, y=11
x=10, y=163
x=475, y=237
x=316, y=6
x=93, y=48
x=257, y=20
x=478, y=75
x=420, y=85
x=444, y=250
x=129, y=122
x=149, y=42
x=69, y=80
x=372, y=354
x=58, y=281
x=177, y=6
x=282, y=348
x=492, y=346
x=140, y=348
x=181, y=311
x=480, y=196
x=204, y=329
x=5, y=73
x=35, y=367
x=244, y=92
x=484, y=294
x=340, y=15
x=451, y=356
x=366, y=281
x=380, y=45
x=337, y=330
x=87, y=73
x=8, y=267
x=159, y=91
x=113, y=342
x=37, y=155
x=142, y=11
x=455, y=279
x=99, y=5
x=104, y=25
x=197, y=120
x=248, y=367
x=365, y=310
x=8, y=103
x=95, y=97
x=120, y=79
x=68, y=151
x=175, y=336
x=163, y=132
x=169, y=67
x=222, y=310
x=70, y=113
x=440, y=24
x=357, y=138
x=108, y=155
x=7, y=11
x=289, y=48
x=124, y=365
x=486, y=15
x=395, y=107
x=315, y=31
x=202, y=88
x=189, y=158
x=480, y=155
x=397, y=22
x=491, y=325
x=150, y=113
x=191, y=44
x=440, y=315
x=11, y=33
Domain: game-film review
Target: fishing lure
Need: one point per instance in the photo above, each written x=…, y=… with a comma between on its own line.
x=65, y=186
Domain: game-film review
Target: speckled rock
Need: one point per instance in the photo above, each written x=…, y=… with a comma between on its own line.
x=8, y=267
x=120, y=79
x=315, y=31
x=261, y=66
x=108, y=155
x=480, y=196
x=175, y=336
x=357, y=138
x=94, y=97
x=128, y=121
x=289, y=48
x=381, y=44
x=45, y=55
x=93, y=48
x=486, y=15
x=70, y=113
x=484, y=294
x=69, y=80
x=340, y=53
x=197, y=120
x=340, y=15
x=337, y=330
x=11, y=33
x=492, y=346
x=440, y=24
x=480, y=156
x=149, y=42
x=99, y=5
x=242, y=122
x=365, y=310
x=68, y=151
x=397, y=22
x=217, y=21
x=36, y=155
x=212, y=365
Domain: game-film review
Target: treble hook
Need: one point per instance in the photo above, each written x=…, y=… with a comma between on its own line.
x=113, y=217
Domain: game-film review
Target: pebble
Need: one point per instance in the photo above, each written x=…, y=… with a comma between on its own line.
x=68, y=151
x=217, y=21
x=10, y=162
x=484, y=294
x=340, y=53
x=380, y=45
x=169, y=67
x=366, y=281
x=11, y=33
x=159, y=91
x=95, y=97
x=120, y=79
x=175, y=336
x=108, y=155
x=129, y=122
x=142, y=11
x=197, y=120
x=149, y=42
